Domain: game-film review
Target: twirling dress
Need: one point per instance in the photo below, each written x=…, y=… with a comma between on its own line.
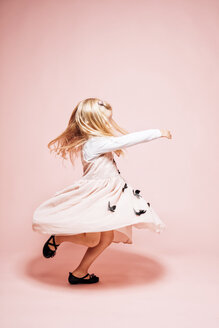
x=101, y=199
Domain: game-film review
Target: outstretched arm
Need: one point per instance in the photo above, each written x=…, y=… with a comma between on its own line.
x=99, y=145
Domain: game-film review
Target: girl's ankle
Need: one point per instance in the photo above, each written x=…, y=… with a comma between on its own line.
x=58, y=240
x=79, y=273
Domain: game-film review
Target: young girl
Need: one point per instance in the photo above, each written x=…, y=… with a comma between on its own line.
x=101, y=207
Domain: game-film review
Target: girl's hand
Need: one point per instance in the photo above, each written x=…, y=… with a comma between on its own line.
x=166, y=133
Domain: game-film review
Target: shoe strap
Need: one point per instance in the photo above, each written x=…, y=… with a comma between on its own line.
x=53, y=242
x=84, y=276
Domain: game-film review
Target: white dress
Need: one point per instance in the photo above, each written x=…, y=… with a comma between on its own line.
x=101, y=199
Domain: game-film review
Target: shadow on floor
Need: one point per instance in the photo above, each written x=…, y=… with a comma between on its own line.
x=114, y=267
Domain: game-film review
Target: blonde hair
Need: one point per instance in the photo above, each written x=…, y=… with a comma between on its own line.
x=86, y=120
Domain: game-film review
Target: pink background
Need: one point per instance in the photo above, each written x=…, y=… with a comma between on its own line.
x=156, y=63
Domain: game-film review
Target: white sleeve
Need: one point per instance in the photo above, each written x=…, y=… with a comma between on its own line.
x=96, y=146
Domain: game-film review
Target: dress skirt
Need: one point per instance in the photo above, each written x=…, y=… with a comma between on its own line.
x=100, y=200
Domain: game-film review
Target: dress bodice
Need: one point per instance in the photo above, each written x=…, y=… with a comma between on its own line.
x=101, y=167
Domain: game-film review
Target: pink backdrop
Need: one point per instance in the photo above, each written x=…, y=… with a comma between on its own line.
x=156, y=63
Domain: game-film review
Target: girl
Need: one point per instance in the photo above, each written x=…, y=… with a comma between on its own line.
x=100, y=207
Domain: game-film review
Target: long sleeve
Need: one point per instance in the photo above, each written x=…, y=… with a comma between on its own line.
x=96, y=146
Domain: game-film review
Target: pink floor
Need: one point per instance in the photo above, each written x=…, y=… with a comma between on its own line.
x=137, y=288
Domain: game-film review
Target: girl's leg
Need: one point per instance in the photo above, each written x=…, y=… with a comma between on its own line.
x=92, y=253
x=89, y=239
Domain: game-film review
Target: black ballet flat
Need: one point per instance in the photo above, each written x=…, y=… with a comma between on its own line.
x=76, y=280
x=47, y=252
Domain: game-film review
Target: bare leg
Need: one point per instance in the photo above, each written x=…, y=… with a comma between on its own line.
x=92, y=253
x=89, y=239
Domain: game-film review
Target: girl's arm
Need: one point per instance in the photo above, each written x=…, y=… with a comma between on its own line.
x=99, y=145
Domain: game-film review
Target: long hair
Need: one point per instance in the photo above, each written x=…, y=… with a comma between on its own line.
x=86, y=120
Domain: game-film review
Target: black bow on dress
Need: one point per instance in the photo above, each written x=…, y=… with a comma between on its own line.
x=136, y=193
x=125, y=186
x=111, y=208
x=139, y=212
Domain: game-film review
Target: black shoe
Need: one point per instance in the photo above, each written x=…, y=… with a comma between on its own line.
x=76, y=280
x=48, y=252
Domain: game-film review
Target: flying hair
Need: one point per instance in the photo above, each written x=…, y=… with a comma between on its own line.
x=86, y=121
